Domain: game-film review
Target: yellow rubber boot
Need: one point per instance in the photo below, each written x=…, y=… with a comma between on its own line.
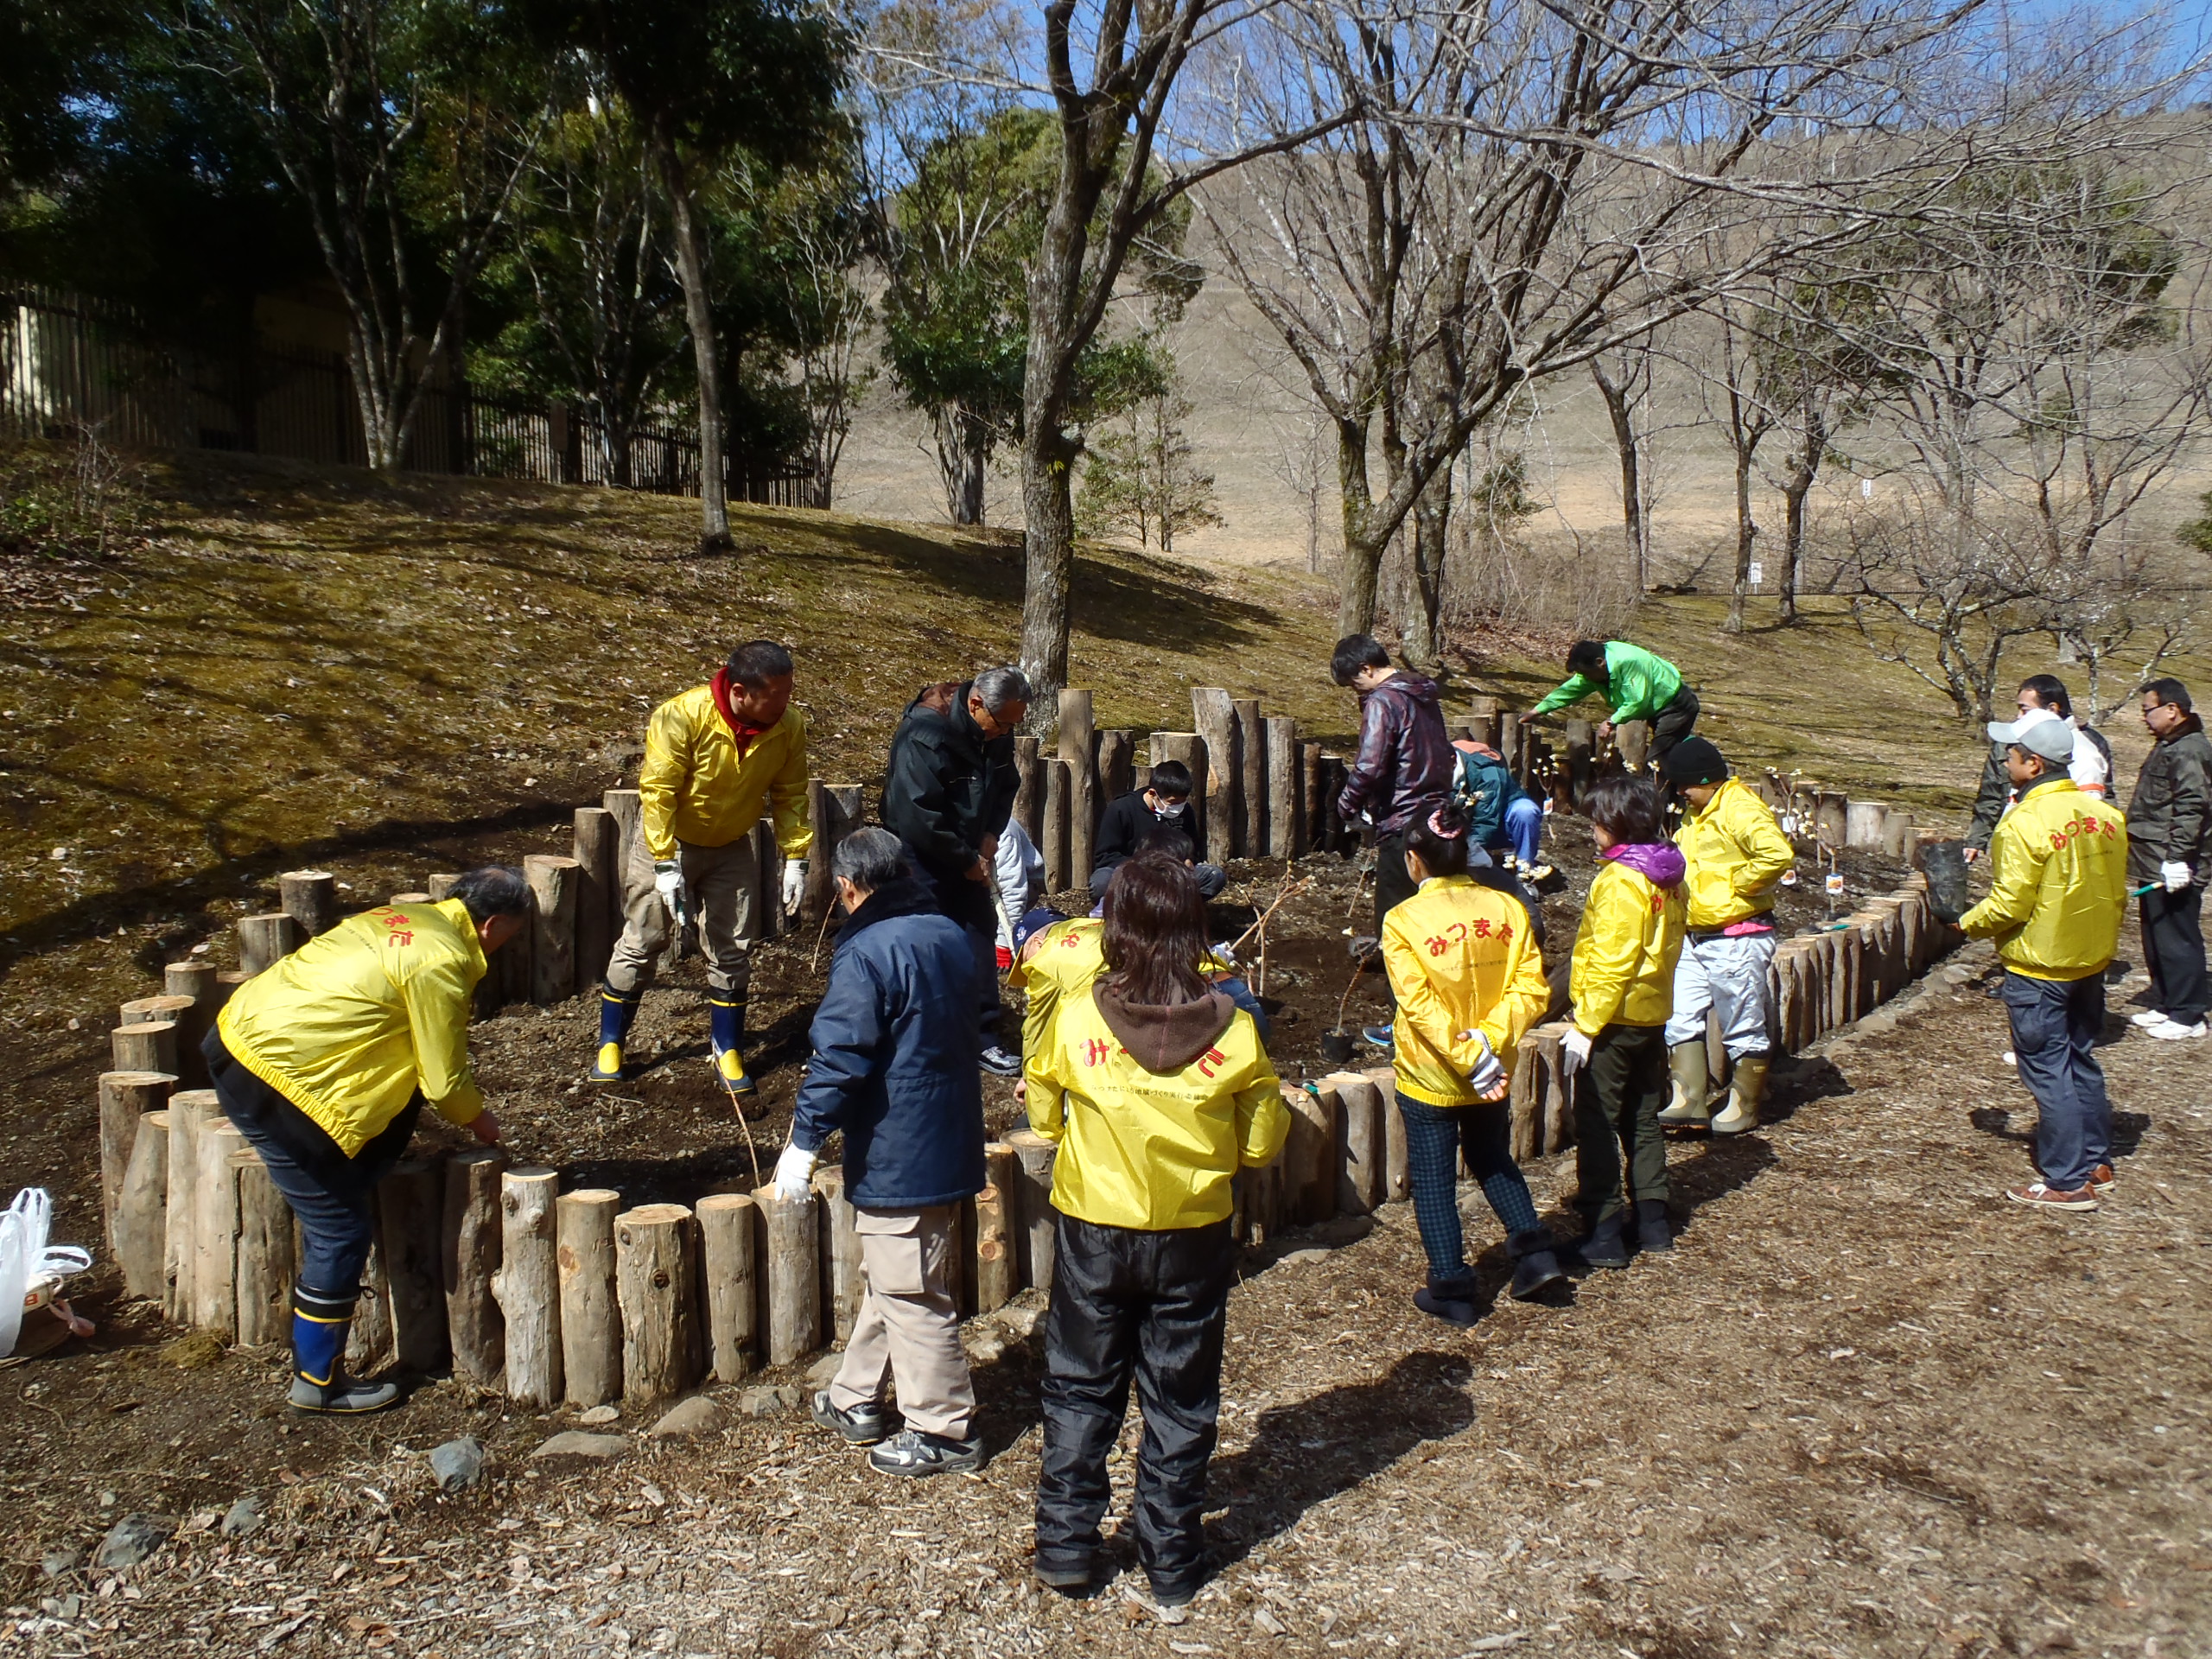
x=1692, y=1106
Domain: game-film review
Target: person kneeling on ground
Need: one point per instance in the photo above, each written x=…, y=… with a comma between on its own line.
x=1623, y=985
x=2058, y=891
x=1156, y=1090
x=1734, y=852
x=1469, y=977
x=323, y=1062
x=1164, y=801
x=894, y=1067
x=1504, y=819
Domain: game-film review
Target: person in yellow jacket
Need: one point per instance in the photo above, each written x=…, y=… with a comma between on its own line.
x=323, y=1061
x=1469, y=978
x=1157, y=1091
x=2058, y=893
x=1735, y=852
x=1622, y=983
x=716, y=757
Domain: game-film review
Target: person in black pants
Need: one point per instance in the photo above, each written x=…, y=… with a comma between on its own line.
x=2170, y=853
x=947, y=794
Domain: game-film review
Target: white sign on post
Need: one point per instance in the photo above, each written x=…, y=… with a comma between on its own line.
x=1759, y=573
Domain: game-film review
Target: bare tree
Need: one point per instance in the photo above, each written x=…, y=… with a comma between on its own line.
x=1624, y=380
x=1746, y=415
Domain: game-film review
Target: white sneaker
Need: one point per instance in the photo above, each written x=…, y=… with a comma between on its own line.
x=2172, y=1031
x=2148, y=1017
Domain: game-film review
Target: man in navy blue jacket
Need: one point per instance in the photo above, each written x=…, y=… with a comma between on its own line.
x=894, y=1068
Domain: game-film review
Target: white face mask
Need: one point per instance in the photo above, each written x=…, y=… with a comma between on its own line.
x=1167, y=813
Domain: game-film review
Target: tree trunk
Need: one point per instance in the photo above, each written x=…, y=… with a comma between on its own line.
x=963, y=451
x=1420, y=629
x=1795, y=487
x=1048, y=458
x=1364, y=548
x=1620, y=411
x=699, y=320
x=1744, y=530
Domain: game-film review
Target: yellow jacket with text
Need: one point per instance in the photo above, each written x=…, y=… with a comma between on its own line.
x=1148, y=1150
x=1625, y=951
x=1735, y=852
x=1069, y=956
x=1461, y=957
x=695, y=787
x=2058, y=883
x=350, y=1024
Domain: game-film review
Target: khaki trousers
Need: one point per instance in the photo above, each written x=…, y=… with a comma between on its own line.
x=722, y=880
x=909, y=1326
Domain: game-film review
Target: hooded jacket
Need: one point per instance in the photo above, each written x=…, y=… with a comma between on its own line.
x=1735, y=852
x=2058, y=886
x=1485, y=785
x=1461, y=957
x=2170, y=814
x=1405, y=762
x=1153, y=1110
x=894, y=1060
x=1632, y=933
x=948, y=786
x=697, y=786
x=352, y=1023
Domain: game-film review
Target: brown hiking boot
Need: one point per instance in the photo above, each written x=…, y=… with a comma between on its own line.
x=2050, y=1197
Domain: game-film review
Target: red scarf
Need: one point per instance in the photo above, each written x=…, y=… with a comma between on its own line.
x=743, y=731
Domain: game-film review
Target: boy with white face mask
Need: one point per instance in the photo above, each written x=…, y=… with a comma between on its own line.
x=1123, y=828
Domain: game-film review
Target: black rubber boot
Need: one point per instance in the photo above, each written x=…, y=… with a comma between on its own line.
x=1535, y=1263
x=1450, y=1300
x=1605, y=1247
x=1653, y=1230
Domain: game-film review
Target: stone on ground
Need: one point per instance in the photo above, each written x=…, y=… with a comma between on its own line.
x=458, y=1463
x=697, y=1416
x=573, y=1443
x=132, y=1539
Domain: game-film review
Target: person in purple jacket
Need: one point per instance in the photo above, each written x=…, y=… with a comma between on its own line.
x=1405, y=766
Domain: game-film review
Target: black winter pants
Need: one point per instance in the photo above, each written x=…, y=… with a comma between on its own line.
x=1149, y=1305
x=1616, y=1106
x=2173, y=949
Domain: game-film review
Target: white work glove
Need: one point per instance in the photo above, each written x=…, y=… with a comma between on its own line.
x=1574, y=1049
x=794, y=883
x=1488, y=1075
x=2176, y=875
x=794, y=1174
x=668, y=881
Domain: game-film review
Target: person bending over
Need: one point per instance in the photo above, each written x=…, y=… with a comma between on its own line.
x=1157, y=1090
x=323, y=1061
x=1622, y=982
x=1469, y=977
x=1635, y=685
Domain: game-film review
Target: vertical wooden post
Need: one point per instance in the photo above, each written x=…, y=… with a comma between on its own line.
x=1032, y=1204
x=266, y=1263
x=1251, y=775
x=841, y=1283
x=1509, y=741
x=368, y=1344
x=791, y=1253
x=195, y=980
x=728, y=1229
x=265, y=939
x=1215, y=716
x=149, y=1045
x=1360, y=1181
x=1029, y=790
x=125, y=1099
x=215, y=1229
x=821, y=819
x=513, y=963
x=1581, y=760
x=623, y=806
x=599, y=893
x=1116, y=767
x=527, y=1286
x=1054, y=846
x=995, y=1267
x=141, y=1230
x=1897, y=827
x=1280, y=738
x=591, y=1319
x=1397, y=1158
x=657, y=1282
x=154, y=1010
x=1309, y=1155
x=189, y=1112
x=1076, y=745
x=470, y=1245
x=411, y=1202
x=768, y=893
x=556, y=885
x=310, y=898
x=1312, y=809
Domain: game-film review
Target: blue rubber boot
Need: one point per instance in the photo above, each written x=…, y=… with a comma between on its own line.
x=319, y=1323
x=617, y=1010
x=725, y=1034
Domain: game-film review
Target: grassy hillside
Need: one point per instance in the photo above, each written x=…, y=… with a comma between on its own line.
x=294, y=666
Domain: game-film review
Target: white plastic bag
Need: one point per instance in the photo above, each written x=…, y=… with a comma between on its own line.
x=29, y=1266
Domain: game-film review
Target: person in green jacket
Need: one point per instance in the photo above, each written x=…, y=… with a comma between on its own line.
x=1635, y=683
